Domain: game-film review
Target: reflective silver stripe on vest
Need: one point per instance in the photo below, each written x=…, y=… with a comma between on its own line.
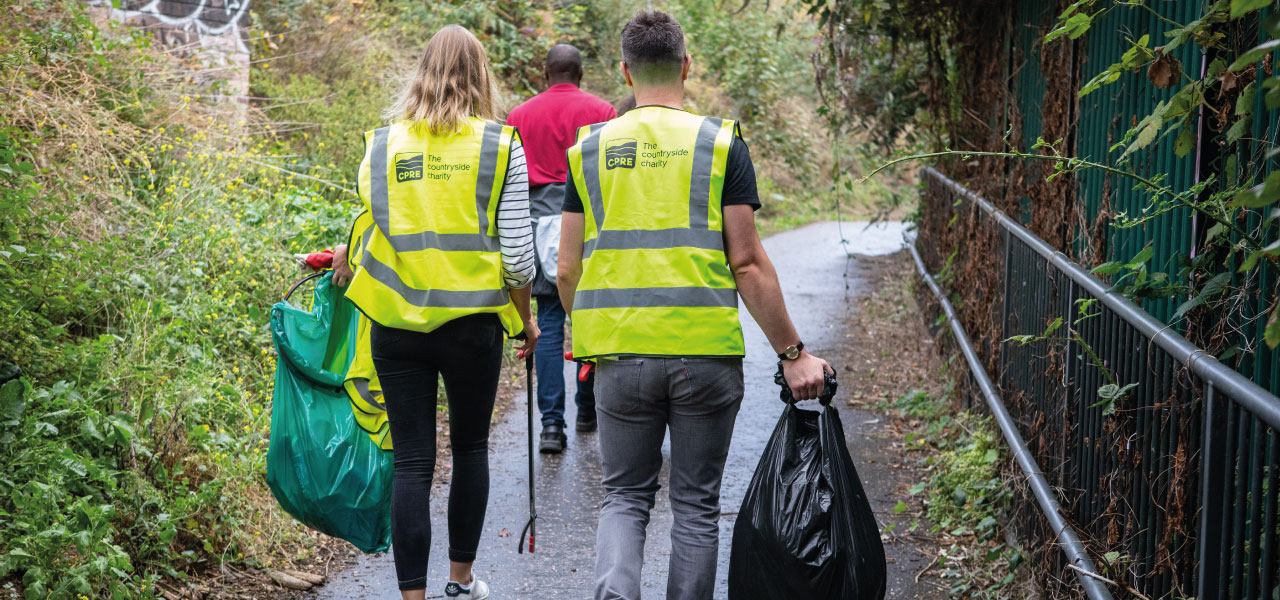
x=591, y=172
x=423, y=240
x=448, y=242
x=364, y=244
x=488, y=170
x=378, y=201
x=628, y=239
x=362, y=388
x=700, y=181
x=656, y=297
x=431, y=298
x=698, y=235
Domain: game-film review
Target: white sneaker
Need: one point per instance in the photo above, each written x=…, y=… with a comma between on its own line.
x=478, y=590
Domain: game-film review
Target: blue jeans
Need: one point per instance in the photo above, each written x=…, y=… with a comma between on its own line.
x=548, y=359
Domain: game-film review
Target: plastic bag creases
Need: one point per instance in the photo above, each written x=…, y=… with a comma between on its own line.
x=805, y=529
x=322, y=468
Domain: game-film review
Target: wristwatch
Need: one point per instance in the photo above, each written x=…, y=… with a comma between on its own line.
x=792, y=352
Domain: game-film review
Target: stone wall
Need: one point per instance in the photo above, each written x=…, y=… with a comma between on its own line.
x=214, y=31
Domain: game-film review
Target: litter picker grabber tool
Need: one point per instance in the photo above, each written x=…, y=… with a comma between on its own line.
x=585, y=367
x=531, y=527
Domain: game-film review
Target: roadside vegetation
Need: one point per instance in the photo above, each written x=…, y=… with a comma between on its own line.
x=954, y=491
x=146, y=228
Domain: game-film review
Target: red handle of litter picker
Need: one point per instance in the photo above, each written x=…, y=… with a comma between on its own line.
x=584, y=371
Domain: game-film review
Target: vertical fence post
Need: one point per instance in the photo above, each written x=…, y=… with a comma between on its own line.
x=1004, y=312
x=1214, y=473
x=1065, y=427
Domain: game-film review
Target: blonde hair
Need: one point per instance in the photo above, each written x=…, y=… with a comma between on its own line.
x=451, y=84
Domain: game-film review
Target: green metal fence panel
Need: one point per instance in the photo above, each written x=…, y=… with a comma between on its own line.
x=1105, y=116
x=1263, y=365
x=1032, y=18
x=1169, y=420
x=1179, y=481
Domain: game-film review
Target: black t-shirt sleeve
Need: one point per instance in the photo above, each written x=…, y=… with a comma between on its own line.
x=740, y=177
x=572, y=203
x=739, y=181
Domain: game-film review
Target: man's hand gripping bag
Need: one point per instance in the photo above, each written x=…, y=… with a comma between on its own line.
x=805, y=529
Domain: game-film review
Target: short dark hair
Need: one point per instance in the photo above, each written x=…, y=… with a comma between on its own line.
x=564, y=59
x=653, y=45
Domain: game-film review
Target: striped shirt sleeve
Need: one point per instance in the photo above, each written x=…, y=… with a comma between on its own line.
x=514, y=226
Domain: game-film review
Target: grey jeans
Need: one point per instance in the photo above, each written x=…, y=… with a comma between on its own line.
x=638, y=399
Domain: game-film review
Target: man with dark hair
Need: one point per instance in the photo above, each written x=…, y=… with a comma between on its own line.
x=658, y=242
x=547, y=124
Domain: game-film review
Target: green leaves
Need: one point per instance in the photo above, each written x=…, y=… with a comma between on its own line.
x=1272, y=333
x=1110, y=394
x=1142, y=257
x=1259, y=196
x=1272, y=96
x=1073, y=27
x=1241, y=7
x=1148, y=129
x=1239, y=129
x=1255, y=54
x=1214, y=287
x=1071, y=23
x=12, y=403
x=1251, y=261
x=12, y=407
x=1137, y=55
x=1112, y=391
x=1185, y=142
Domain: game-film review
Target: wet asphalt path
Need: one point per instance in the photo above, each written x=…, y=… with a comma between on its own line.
x=818, y=278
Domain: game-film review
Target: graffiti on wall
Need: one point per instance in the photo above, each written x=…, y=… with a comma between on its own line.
x=179, y=22
x=214, y=31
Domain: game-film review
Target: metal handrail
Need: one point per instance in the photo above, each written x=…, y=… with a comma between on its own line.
x=1066, y=535
x=1253, y=397
x=1235, y=533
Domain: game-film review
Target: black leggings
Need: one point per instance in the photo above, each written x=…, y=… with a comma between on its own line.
x=467, y=352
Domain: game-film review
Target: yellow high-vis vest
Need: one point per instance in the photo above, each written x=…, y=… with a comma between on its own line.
x=362, y=385
x=432, y=253
x=655, y=279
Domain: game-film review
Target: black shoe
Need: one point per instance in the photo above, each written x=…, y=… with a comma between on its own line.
x=586, y=422
x=553, y=439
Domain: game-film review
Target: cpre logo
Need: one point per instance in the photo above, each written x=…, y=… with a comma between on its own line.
x=408, y=166
x=620, y=153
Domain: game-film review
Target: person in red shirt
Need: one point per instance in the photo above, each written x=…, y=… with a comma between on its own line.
x=548, y=125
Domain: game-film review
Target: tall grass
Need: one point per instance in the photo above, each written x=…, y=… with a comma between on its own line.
x=145, y=234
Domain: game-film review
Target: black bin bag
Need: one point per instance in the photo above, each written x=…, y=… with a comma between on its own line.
x=805, y=529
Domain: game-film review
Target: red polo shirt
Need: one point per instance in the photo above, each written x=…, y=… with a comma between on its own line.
x=548, y=125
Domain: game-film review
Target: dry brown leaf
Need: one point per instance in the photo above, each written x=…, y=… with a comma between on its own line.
x=1228, y=82
x=1164, y=71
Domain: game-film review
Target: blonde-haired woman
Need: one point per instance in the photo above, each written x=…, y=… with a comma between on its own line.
x=443, y=273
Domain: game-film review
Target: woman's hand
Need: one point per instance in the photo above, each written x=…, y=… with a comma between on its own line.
x=531, y=335
x=341, y=270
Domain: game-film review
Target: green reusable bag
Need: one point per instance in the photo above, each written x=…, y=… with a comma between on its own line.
x=323, y=469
